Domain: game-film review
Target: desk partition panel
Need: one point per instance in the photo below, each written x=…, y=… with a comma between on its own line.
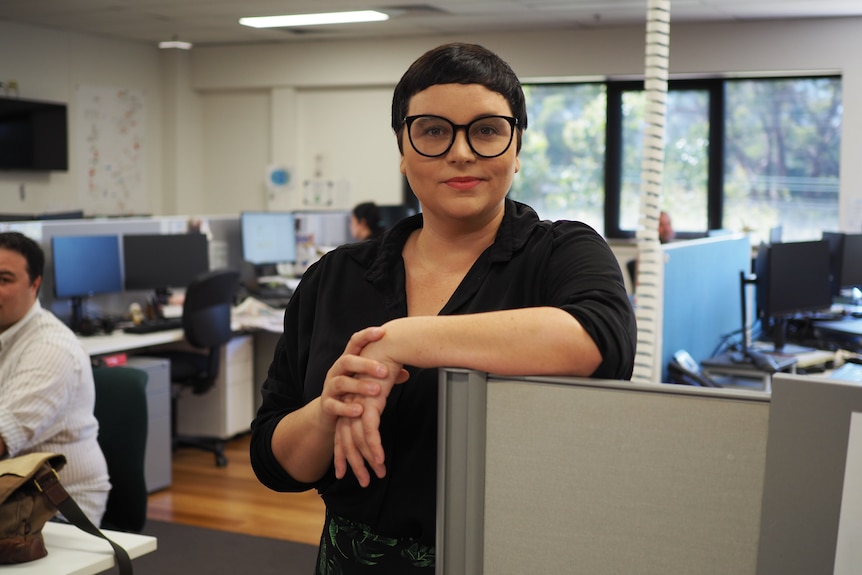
x=812, y=498
x=565, y=475
x=702, y=299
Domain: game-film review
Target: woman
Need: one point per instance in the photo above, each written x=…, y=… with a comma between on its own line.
x=474, y=281
x=365, y=221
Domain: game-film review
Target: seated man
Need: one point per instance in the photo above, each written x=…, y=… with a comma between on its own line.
x=46, y=381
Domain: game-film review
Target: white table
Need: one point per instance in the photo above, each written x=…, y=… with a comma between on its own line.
x=75, y=552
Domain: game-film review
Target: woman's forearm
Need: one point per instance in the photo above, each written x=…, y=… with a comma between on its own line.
x=529, y=341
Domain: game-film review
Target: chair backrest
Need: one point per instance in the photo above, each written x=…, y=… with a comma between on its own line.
x=121, y=409
x=206, y=308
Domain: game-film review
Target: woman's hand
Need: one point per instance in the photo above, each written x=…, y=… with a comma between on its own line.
x=351, y=376
x=304, y=441
x=357, y=437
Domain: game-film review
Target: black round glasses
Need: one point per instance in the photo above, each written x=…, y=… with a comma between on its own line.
x=433, y=136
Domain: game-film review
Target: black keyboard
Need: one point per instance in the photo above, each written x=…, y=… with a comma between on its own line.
x=276, y=297
x=281, y=292
x=155, y=325
x=275, y=302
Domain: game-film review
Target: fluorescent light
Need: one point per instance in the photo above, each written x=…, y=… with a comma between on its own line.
x=175, y=44
x=314, y=19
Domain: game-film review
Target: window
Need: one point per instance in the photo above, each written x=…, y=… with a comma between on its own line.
x=563, y=152
x=782, y=150
x=776, y=163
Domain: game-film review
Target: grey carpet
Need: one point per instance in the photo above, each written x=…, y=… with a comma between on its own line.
x=185, y=550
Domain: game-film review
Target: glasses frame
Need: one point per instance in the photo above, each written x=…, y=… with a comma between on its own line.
x=408, y=121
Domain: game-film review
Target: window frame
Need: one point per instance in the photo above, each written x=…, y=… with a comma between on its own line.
x=613, y=160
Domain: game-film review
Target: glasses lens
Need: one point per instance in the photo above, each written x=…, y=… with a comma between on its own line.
x=433, y=136
x=490, y=137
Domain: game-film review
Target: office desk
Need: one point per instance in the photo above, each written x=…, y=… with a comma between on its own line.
x=120, y=341
x=224, y=411
x=74, y=552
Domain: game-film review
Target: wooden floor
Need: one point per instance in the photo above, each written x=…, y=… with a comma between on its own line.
x=231, y=498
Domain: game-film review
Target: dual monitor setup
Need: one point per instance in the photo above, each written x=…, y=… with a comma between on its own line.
x=271, y=241
x=805, y=279
x=84, y=266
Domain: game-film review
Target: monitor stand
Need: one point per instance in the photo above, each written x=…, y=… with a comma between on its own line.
x=77, y=313
x=762, y=359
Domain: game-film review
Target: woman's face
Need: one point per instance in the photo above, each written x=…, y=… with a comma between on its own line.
x=459, y=185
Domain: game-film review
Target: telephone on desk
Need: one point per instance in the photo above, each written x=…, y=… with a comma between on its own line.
x=683, y=369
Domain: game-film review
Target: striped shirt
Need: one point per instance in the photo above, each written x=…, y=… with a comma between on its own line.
x=47, y=397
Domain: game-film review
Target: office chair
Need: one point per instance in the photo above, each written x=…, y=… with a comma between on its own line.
x=206, y=325
x=121, y=409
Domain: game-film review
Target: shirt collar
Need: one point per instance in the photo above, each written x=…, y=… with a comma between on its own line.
x=518, y=220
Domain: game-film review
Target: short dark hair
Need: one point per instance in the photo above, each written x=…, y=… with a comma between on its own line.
x=459, y=63
x=369, y=212
x=32, y=252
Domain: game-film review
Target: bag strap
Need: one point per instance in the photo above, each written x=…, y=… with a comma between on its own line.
x=48, y=482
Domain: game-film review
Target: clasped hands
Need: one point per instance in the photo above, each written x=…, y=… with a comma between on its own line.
x=354, y=396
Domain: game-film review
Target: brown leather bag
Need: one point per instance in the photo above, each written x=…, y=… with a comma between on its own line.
x=30, y=495
x=24, y=508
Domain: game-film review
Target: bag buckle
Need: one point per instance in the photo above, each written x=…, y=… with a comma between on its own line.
x=55, y=478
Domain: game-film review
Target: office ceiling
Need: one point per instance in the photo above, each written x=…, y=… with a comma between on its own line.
x=215, y=22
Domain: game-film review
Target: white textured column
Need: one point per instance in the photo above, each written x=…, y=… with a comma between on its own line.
x=650, y=270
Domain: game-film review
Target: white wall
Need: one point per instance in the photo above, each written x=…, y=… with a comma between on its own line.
x=309, y=87
x=49, y=65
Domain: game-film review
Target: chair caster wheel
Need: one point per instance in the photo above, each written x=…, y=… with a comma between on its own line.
x=221, y=461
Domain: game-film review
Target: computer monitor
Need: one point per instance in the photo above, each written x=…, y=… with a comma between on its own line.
x=391, y=214
x=84, y=266
x=324, y=229
x=845, y=260
x=268, y=238
x=159, y=262
x=792, y=278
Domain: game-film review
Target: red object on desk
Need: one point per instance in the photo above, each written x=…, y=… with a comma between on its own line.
x=114, y=359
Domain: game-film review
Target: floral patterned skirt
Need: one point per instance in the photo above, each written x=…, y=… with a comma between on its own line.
x=350, y=548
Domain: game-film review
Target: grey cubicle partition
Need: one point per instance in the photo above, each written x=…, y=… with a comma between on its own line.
x=812, y=499
x=566, y=475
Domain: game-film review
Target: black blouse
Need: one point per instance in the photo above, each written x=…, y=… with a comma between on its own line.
x=531, y=263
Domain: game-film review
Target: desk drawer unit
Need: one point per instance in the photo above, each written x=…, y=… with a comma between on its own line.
x=227, y=409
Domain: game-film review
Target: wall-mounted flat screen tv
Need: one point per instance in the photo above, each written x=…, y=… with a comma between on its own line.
x=33, y=135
